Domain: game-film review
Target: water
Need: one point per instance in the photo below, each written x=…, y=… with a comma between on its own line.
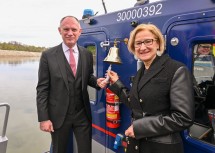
x=18, y=79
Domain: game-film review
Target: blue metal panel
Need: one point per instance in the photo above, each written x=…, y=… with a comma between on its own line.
x=190, y=32
x=196, y=146
x=190, y=21
x=98, y=107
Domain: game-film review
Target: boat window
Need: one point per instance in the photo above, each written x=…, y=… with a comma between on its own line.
x=92, y=91
x=204, y=89
x=203, y=62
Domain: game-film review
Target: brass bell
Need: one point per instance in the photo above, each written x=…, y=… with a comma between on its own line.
x=113, y=56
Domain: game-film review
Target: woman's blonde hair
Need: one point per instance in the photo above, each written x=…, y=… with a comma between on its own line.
x=150, y=27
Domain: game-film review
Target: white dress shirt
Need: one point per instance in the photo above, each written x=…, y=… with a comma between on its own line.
x=67, y=53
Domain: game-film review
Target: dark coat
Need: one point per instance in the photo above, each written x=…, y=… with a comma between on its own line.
x=161, y=101
x=53, y=89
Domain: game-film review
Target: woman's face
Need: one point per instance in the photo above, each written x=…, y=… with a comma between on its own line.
x=146, y=46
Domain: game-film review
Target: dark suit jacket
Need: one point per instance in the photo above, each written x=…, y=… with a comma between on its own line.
x=53, y=89
x=161, y=101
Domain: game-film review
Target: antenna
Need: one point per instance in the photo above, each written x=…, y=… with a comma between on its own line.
x=103, y=3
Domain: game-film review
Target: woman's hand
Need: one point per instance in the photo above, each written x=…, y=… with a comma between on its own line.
x=130, y=132
x=113, y=76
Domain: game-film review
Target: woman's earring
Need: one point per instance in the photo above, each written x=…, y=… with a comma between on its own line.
x=159, y=52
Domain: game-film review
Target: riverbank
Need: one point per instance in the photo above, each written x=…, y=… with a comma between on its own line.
x=12, y=53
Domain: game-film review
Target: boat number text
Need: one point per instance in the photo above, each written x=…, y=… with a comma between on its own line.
x=140, y=12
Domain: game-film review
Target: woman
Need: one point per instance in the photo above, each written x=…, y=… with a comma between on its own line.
x=161, y=97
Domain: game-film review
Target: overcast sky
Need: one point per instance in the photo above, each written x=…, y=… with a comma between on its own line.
x=35, y=22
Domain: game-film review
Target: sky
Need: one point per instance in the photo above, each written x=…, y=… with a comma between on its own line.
x=35, y=22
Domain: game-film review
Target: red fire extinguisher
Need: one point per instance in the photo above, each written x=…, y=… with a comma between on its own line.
x=112, y=109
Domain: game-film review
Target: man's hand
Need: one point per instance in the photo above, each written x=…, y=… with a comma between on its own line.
x=46, y=126
x=101, y=83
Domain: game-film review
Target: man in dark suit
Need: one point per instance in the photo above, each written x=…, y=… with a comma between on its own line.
x=63, y=104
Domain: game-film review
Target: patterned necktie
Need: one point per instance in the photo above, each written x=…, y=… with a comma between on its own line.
x=72, y=61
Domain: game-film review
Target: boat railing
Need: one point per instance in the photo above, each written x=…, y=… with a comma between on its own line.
x=3, y=138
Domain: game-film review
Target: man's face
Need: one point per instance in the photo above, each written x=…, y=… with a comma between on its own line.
x=204, y=49
x=70, y=31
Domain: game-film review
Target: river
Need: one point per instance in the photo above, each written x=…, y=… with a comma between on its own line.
x=18, y=79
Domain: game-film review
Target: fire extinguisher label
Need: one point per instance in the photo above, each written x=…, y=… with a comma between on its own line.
x=112, y=97
x=112, y=108
x=111, y=116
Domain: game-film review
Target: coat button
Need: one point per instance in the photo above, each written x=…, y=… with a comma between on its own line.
x=136, y=147
x=141, y=100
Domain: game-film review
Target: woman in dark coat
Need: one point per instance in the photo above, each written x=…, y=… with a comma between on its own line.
x=161, y=96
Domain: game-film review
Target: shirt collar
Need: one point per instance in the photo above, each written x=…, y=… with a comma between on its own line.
x=66, y=48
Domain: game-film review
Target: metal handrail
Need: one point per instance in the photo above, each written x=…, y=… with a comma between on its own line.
x=5, y=118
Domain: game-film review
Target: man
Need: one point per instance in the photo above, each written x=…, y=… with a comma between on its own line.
x=204, y=49
x=63, y=104
x=204, y=53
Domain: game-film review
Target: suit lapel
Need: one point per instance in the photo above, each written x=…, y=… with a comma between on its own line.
x=82, y=62
x=136, y=82
x=79, y=64
x=154, y=69
x=69, y=69
x=60, y=58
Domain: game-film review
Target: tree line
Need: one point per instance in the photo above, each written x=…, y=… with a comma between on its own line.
x=16, y=46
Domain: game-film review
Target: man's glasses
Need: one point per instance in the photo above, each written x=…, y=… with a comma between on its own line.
x=207, y=47
x=146, y=42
